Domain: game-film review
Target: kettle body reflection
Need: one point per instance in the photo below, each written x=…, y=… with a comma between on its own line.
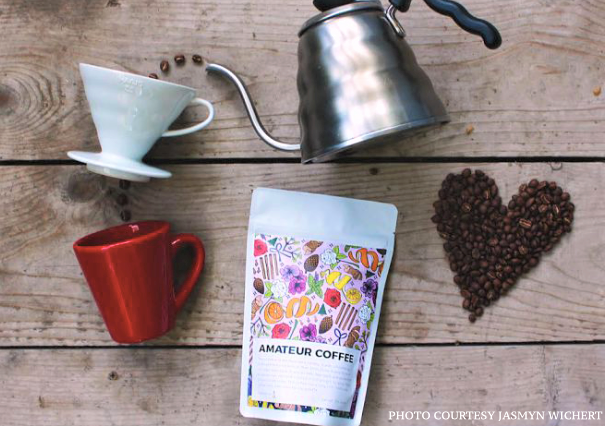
x=358, y=79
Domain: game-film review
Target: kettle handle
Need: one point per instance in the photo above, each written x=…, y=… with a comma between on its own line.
x=488, y=32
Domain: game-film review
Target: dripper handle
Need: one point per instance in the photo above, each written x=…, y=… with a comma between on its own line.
x=488, y=32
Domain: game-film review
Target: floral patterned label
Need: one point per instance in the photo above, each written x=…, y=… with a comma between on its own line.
x=313, y=291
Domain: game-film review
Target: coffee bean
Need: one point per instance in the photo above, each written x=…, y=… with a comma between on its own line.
x=489, y=245
x=125, y=215
x=525, y=223
x=472, y=318
x=165, y=66
x=197, y=59
x=122, y=200
x=154, y=76
x=180, y=60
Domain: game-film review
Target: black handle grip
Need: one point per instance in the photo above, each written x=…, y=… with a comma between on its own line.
x=324, y=5
x=489, y=33
x=401, y=5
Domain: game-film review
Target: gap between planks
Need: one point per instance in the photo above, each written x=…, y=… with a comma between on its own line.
x=378, y=345
x=353, y=160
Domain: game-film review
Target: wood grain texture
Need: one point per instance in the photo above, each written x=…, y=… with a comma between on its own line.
x=178, y=387
x=45, y=301
x=534, y=96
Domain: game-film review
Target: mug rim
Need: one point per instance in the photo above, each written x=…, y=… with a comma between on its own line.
x=148, y=79
x=159, y=227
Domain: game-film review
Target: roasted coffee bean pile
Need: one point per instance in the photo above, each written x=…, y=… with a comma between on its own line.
x=489, y=245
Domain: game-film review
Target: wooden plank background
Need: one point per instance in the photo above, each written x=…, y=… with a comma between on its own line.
x=537, y=99
x=534, y=96
x=154, y=387
x=44, y=299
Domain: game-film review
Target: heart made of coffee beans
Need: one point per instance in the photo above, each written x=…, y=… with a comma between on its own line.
x=489, y=245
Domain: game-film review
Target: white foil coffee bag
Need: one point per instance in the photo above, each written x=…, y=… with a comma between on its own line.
x=316, y=271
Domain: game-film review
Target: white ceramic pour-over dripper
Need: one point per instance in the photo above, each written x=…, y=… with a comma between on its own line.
x=131, y=113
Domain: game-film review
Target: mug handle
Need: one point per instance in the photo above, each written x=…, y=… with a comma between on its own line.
x=177, y=243
x=197, y=127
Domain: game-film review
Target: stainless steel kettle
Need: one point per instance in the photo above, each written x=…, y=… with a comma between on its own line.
x=358, y=80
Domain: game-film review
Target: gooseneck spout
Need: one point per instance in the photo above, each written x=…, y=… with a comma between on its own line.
x=250, y=108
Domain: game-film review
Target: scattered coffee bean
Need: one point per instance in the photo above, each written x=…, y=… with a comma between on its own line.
x=488, y=245
x=179, y=59
x=125, y=215
x=154, y=76
x=122, y=200
x=197, y=59
x=165, y=66
x=124, y=184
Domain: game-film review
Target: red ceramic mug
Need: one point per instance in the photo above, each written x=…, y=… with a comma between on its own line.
x=129, y=269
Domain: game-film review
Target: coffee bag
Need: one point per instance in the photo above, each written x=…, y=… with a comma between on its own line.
x=316, y=272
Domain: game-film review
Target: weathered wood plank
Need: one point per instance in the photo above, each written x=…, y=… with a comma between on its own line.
x=177, y=387
x=45, y=301
x=532, y=97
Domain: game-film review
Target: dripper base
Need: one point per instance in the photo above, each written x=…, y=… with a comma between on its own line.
x=118, y=167
x=117, y=174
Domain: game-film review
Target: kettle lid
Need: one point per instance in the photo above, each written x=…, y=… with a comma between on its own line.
x=351, y=6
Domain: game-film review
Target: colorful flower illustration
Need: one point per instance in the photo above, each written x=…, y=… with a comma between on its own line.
x=279, y=289
x=280, y=331
x=308, y=333
x=353, y=296
x=369, y=287
x=260, y=248
x=328, y=257
x=300, y=293
x=365, y=313
x=332, y=298
x=297, y=285
x=290, y=271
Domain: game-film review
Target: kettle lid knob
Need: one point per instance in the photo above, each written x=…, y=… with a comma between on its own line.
x=324, y=5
